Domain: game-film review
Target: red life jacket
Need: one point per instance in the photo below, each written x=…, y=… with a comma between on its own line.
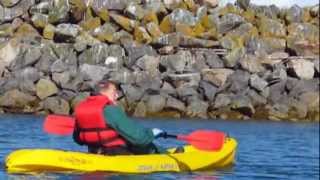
x=91, y=123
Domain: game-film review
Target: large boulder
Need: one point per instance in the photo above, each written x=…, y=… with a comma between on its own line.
x=303, y=69
x=217, y=77
x=8, y=13
x=155, y=103
x=56, y=105
x=8, y=53
x=46, y=88
x=16, y=99
x=176, y=62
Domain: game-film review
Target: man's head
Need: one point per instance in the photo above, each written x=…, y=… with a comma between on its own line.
x=109, y=89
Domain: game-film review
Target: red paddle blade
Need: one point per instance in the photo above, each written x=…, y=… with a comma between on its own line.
x=205, y=140
x=59, y=124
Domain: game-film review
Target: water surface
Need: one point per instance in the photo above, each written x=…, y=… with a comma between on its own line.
x=266, y=150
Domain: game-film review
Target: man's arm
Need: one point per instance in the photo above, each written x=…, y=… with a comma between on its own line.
x=128, y=129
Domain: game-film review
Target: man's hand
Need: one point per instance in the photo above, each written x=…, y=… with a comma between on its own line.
x=158, y=133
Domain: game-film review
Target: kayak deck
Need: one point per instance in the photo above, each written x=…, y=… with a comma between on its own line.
x=51, y=160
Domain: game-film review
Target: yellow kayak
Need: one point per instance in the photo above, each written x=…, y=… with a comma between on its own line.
x=51, y=160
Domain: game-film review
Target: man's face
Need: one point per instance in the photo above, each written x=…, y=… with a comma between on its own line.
x=112, y=93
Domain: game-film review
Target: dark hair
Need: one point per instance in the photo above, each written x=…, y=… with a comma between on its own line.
x=104, y=84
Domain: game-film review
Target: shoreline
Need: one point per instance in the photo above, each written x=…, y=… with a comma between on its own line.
x=190, y=59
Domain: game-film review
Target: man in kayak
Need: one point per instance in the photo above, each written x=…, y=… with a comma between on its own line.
x=103, y=126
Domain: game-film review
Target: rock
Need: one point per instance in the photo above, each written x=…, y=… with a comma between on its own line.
x=149, y=63
x=93, y=72
x=187, y=41
x=210, y=3
x=8, y=54
x=46, y=88
x=123, y=76
x=141, y=35
x=8, y=13
x=155, y=6
x=172, y=4
x=217, y=77
x=66, y=32
x=316, y=66
x=197, y=108
x=90, y=24
x=256, y=99
x=59, y=13
x=122, y=37
x=213, y=60
x=171, y=39
x=26, y=31
x=154, y=30
x=278, y=112
x=83, y=40
x=6, y=30
x=175, y=104
x=197, y=63
x=105, y=32
x=303, y=69
x=135, y=11
x=294, y=14
x=125, y=23
x=251, y=64
x=113, y=5
x=168, y=89
x=297, y=87
x=48, y=56
x=258, y=83
x=9, y=3
x=190, y=79
x=155, y=103
x=132, y=94
x=314, y=11
x=222, y=100
x=16, y=99
x=176, y=62
x=277, y=92
x=239, y=81
x=278, y=55
x=57, y=105
x=271, y=28
x=40, y=20
x=148, y=81
x=264, y=46
x=229, y=22
x=41, y=7
x=243, y=4
x=140, y=110
x=183, y=17
x=232, y=58
x=209, y=90
x=311, y=99
x=243, y=105
x=97, y=54
x=135, y=51
x=303, y=39
x=78, y=98
x=48, y=32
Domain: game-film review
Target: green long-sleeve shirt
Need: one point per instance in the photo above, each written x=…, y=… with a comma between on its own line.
x=133, y=132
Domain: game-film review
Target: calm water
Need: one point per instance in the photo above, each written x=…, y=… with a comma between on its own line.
x=267, y=150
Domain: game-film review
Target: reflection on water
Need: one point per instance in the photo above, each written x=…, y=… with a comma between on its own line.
x=266, y=150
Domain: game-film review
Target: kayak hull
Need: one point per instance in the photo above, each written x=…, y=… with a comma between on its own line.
x=52, y=160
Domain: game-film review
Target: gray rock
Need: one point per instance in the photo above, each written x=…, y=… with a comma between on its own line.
x=168, y=89
x=190, y=79
x=185, y=91
x=317, y=65
x=256, y=99
x=232, y=58
x=294, y=14
x=197, y=108
x=16, y=99
x=229, y=22
x=28, y=74
x=58, y=66
x=148, y=81
x=187, y=41
x=116, y=51
x=97, y=54
x=93, y=72
x=46, y=88
x=171, y=39
x=66, y=32
x=258, y=83
x=176, y=62
x=271, y=28
x=135, y=11
x=251, y=64
x=132, y=94
x=48, y=56
x=140, y=110
x=198, y=62
x=243, y=105
x=8, y=54
x=277, y=92
x=9, y=3
x=217, y=77
x=222, y=100
x=41, y=7
x=175, y=104
x=155, y=103
x=239, y=81
x=112, y=4
x=57, y=105
x=149, y=63
x=213, y=60
x=18, y=9
x=298, y=87
x=123, y=76
x=303, y=69
x=182, y=16
x=135, y=51
x=68, y=81
x=59, y=13
x=243, y=4
x=278, y=112
x=209, y=90
x=314, y=11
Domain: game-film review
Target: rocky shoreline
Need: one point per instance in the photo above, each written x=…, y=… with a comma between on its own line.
x=172, y=58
